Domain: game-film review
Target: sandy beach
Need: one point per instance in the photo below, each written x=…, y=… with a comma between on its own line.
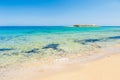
x=102, y=66
x=104, y=69
x=59, y=40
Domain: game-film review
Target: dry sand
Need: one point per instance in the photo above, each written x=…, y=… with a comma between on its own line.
x=105, y=68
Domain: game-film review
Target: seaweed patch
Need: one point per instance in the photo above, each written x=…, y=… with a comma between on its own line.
x=53, y=46
x=87, y=41
x=35, y=50
x=114, y=37
x=5, y=49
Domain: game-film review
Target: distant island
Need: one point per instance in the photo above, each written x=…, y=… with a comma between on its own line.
x=85, y=25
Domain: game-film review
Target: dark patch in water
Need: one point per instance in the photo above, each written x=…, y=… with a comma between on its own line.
x=5, y=49
x=53, y=46
x=87, y=41
x=90, y=40
x=114, y=37
x=35, y=50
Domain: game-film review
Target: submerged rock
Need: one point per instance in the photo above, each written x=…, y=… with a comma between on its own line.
x=114, y=37
x=5, y=49
x=85, y=41
x=35, y=50
x=53, y=46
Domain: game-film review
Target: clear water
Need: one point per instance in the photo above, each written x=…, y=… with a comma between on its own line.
x=19, y=43
x=54, y=39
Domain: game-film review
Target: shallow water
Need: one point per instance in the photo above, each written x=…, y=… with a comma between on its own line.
x=47, y=40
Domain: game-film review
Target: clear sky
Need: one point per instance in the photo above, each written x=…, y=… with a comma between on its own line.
x=59, y=12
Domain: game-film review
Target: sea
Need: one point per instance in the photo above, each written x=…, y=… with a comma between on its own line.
x=44, y=41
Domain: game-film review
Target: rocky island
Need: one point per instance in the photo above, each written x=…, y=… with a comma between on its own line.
x=85, y=25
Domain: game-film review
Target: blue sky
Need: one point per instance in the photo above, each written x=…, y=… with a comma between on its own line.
x=59, y=12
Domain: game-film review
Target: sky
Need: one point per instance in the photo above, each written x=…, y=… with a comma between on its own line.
x=59, y=12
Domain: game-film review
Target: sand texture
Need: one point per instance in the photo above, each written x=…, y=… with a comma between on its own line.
x=102, y=68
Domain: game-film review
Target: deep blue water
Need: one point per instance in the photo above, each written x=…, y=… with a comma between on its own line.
x=51, y=29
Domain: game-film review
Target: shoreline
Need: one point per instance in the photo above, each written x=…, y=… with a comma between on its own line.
x=102, y=69
x=39, y=71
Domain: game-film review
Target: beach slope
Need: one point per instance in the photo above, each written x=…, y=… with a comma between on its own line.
x=104, y=69
x=107, y=68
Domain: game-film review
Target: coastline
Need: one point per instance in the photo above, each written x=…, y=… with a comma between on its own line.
x=22, y=46
x=104, y=69
x=61, y=69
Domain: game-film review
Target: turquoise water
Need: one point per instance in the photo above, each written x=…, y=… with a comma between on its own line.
x=30, y=40
x=19, y=43
x=22, y=39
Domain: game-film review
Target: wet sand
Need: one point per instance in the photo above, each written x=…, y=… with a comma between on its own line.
x=102, y=66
